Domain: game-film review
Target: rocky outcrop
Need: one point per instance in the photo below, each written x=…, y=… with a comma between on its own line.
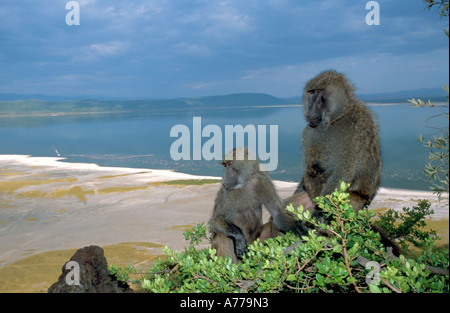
x=87, y=272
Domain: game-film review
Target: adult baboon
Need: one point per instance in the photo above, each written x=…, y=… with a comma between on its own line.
x=236, y=220
x=340, y=142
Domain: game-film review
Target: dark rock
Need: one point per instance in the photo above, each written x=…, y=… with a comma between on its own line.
x=87, y=272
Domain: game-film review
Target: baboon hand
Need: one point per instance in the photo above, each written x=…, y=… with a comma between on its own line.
x=240, y=245
x=297, y=227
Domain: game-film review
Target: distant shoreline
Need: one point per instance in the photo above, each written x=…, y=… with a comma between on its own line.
x=163, y=173
x=156, y=110
x=56, y=114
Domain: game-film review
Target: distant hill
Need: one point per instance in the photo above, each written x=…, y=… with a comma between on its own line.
x=239, y=99
x=40, y=104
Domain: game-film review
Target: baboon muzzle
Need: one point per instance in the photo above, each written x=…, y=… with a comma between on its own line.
x=314, y=122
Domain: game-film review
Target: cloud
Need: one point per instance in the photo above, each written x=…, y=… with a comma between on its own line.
x=164, y=48
x=97, y=52
x=192, y=49
x=371, y=73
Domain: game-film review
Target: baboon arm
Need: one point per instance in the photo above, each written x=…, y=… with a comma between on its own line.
x=301, y=198
x=282, y=219
x=332, y=183
x=274, y=206
x=220, y=225
x=334, y=180
x=269, y=231
x=224, y=246
x=358, y=198
x=300, y=187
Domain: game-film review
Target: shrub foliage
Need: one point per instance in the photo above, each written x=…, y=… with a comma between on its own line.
x=350, y=259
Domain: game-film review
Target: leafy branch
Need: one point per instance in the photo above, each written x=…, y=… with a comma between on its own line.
x=310, y=264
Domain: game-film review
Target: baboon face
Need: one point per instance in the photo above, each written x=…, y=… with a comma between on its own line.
x=326, y=98
x=238, y=168
x=315, y=107
x=236, y=173
x=231, y=175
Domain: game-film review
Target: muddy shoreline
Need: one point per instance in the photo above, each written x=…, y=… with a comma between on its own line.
x=47, y=205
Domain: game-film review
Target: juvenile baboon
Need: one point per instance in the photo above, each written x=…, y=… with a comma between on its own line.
x=236, y=220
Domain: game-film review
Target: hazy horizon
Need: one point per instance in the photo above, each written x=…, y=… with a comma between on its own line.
x=159, y=49
x=420, y=92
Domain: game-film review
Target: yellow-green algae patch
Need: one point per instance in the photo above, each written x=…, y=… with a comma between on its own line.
x=132, y=253
x=7, y=172
x=186, y=182
x=181, y=227
x=11, y=186
x=36, y=273
x=32, y=194
x=120, y=189
x=76, y=191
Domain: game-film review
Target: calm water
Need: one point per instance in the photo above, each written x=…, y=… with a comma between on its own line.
x=143, y=140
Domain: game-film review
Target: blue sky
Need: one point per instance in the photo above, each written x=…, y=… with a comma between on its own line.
x=190, y=48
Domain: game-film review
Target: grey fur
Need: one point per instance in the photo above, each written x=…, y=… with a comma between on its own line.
x=344, y=146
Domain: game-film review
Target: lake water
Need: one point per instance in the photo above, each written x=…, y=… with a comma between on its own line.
x=142, y=140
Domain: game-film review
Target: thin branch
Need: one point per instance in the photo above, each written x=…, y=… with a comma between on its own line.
x=298, y=288
x=206, y=278
x=390, y=286
x=347, y=264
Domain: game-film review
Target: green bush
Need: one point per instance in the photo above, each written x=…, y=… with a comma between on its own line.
x=437, y=167
x=350, y=259
x=408, y=227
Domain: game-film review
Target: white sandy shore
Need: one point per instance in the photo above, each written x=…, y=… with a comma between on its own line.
x=53, y=163
x=46, y=204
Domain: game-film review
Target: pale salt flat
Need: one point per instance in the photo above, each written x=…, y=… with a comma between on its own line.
x=116, y=205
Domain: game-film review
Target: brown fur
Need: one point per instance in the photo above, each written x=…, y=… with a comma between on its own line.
x=344, y=146
x=236, y=220
x=340, y=142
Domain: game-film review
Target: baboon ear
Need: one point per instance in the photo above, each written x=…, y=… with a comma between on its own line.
x=336, y=104
x=326, y=117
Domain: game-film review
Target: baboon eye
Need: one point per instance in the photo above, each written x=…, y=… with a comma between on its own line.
x=318, y=90
x=229, y=162
x=224, y=164
x=311, y=92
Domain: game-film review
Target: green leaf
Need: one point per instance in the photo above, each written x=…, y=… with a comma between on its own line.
x=291, y=277
x=307, y=215
x=320, y=279
x=374, y=289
